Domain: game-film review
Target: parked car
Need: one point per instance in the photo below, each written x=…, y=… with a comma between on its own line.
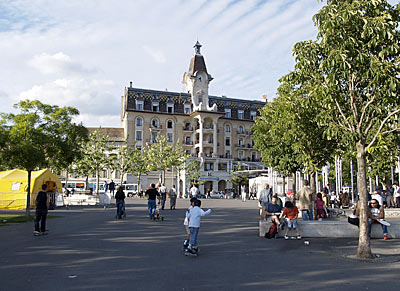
x=199, y=196
x=217, y=195
x=130, y=190
x=230, y=193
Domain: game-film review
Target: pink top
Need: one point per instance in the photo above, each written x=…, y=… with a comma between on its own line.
x=319, y=204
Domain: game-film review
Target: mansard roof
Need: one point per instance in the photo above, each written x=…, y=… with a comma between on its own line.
x=114, y=134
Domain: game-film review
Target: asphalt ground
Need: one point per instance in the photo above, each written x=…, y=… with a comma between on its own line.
x=88, y=249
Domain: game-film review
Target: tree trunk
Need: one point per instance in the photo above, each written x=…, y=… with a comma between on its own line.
x=138, y=183
x=294, y=176
x=97, y=182
x=122, y=178
x=283, y=185
x=28, y=195
x=364, y=247
x=87, y=182
x=66, y=180
x=312, y=183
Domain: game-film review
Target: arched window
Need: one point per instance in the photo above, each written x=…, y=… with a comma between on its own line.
x=241, y=130
x=139, y=121
x=227, y=128
x=170, y=124
x=154, y=123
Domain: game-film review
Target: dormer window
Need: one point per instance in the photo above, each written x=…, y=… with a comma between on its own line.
x=155, y=107
x=170, y=108
x=240, y=114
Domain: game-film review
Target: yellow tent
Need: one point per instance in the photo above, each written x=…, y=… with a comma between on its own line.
x=14, y=185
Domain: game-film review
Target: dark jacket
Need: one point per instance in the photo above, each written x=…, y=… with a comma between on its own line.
x=152, y=193
x=120, y=195
x=41, y=200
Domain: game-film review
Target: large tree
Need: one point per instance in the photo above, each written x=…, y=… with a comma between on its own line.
x=95, y=156
x=36, y=138
x=353, y=68
x=160, y=156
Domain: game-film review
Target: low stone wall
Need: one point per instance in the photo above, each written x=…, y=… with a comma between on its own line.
x=333, y=229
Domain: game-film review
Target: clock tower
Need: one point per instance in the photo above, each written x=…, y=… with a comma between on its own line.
x=197, y=80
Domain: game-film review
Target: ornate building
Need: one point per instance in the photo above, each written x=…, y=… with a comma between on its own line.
x=215, y=129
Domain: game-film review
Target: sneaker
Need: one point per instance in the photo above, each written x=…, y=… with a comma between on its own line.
x=385, y=237
x=299, y=237
x=286, y=236
x=36, y=232
x=319, y=219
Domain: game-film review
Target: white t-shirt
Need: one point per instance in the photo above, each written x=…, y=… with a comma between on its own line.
x=194, y=191
x=195, y=214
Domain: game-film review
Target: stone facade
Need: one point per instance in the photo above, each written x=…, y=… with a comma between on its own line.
x=217, y=130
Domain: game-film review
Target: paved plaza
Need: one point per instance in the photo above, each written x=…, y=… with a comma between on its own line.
x=87, y=249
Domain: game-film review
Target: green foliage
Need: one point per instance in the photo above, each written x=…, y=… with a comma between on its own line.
x=95, y=155
x=352, y=73
x=39, y=136
x=238, y=178
x=163, y=155
x=193, y=168
x=139, y=164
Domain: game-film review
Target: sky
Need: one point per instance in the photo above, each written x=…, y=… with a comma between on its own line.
x=83, y=53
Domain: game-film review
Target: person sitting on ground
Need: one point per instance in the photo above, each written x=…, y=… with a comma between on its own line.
x=376, y=214
x=290, y=214
x=320, y=207
x=272, y=211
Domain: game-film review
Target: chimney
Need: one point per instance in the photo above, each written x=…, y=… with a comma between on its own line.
x=130, y=84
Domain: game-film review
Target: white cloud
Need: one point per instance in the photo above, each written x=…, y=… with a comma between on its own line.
x=58, y=63
x=90, y=96
x=157, y=55
x=83, y=53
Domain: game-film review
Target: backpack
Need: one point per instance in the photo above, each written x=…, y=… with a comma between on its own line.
x=272, y=231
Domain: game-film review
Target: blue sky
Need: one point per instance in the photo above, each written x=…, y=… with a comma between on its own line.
x=83, y=53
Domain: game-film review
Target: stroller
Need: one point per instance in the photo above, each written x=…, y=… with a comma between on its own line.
x=157, y=215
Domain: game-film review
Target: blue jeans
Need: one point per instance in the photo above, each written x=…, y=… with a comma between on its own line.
x=120, y=207
x=194, y=231
x=384, y=227
x=151, y=204
x=307, y=214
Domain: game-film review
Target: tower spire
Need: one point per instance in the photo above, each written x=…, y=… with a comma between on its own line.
x=197, y=47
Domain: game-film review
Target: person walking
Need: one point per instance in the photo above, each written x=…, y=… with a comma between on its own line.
x=120, y=202
x=396, y=195
x=194, y=191
x=389, y=196
x=111, y=186
x=265, y=195
x=163, y=193
x=172, y=197
x=151, y=194
x=306, y=201
x=244, y=194
x=42, y=205
x=105, y=186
